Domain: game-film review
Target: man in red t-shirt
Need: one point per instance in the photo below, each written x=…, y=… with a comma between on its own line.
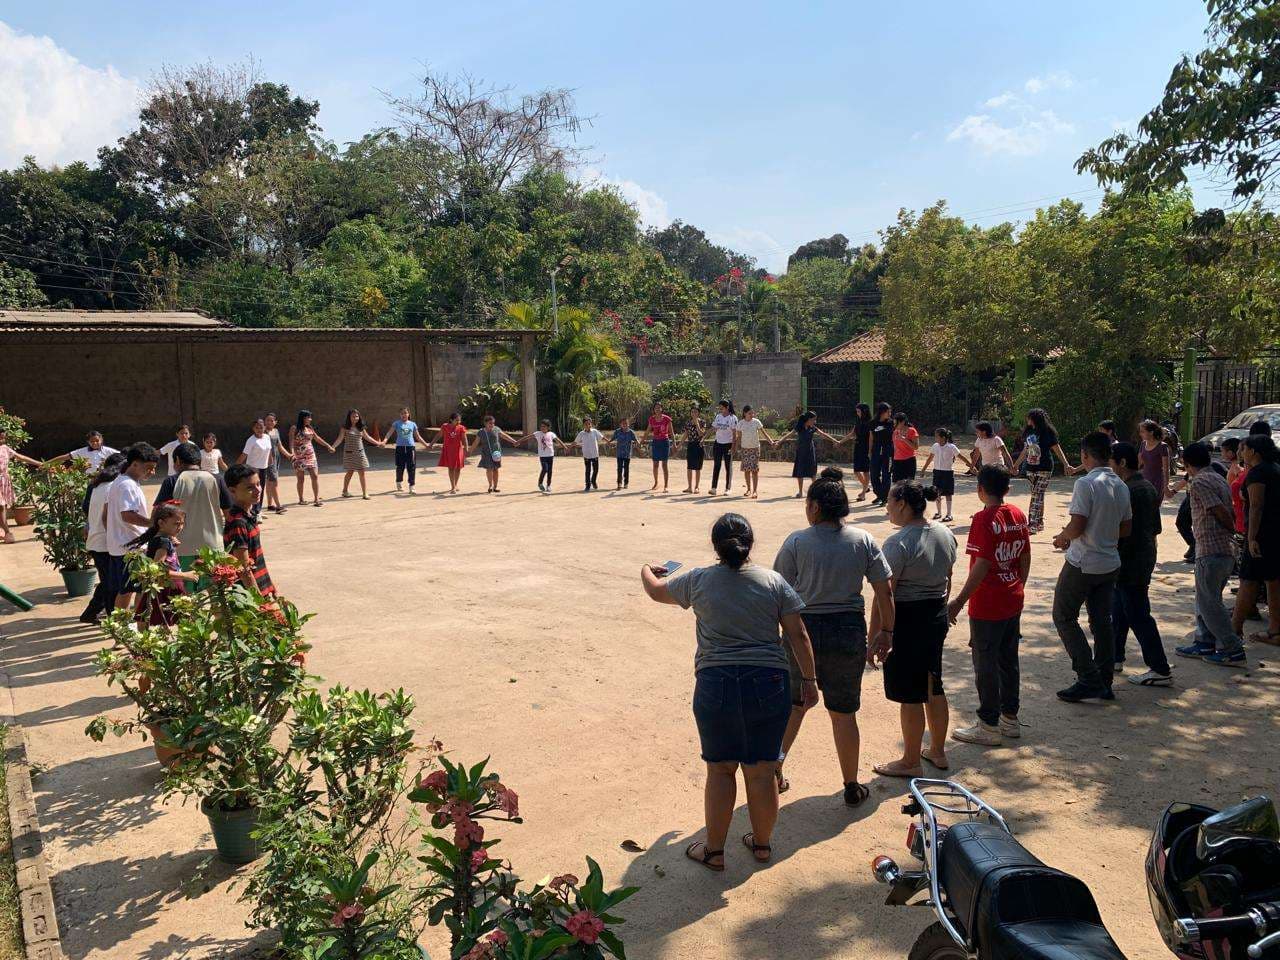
x=999, y=561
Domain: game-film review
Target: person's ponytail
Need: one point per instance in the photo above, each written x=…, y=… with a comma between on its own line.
x=732, y=538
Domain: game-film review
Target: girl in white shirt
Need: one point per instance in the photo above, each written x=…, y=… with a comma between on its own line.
x=210, y=456
x=545, y=441
x=988, y=449
x=747, y=434
x=943, y=455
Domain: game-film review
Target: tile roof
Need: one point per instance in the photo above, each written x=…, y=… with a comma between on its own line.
x=108, y=320
x=864, y=348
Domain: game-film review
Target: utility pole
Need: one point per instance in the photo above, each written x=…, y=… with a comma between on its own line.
x=739, y=341
x=555, y=310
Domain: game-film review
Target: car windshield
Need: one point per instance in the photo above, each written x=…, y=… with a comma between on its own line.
x=1242, y=421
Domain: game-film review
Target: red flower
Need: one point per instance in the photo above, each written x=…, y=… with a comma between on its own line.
x=226, y=574
x=735, y=273
x=479, y=856
x=585, y=925
x=274, y=612
x=498, y=938
x=466, y=832
x=457, y=810
x=648, y=321
x=436, y=780
x=770, y=278
x=509, y=803
x=348, y=911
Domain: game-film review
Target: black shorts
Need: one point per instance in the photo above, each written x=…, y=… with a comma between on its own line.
x=861, y=461
x=840, y=652
x=903, y=470
x=944, y=481
x=913, y=669
x=118, y=576
x=1259, y=569
x=694, y=455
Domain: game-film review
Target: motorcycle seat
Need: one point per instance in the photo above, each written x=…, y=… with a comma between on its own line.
x=1012, y=904
x=1052, y=940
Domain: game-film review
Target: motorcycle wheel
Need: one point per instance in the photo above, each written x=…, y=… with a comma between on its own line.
x=936, y=944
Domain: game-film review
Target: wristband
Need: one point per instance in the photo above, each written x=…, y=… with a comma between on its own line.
x=809, y=679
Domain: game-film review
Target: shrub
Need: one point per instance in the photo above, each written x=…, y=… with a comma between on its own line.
x=58, y=492
x=497, y=398
x=688, y=385
x=618, y=397
x=16, y=428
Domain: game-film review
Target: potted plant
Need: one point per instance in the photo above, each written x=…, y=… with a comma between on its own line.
x=58, y=492
x=15, y=429
x=221, y=676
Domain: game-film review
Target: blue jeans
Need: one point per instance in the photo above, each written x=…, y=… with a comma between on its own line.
x=1213, y=623
x=1131, y=610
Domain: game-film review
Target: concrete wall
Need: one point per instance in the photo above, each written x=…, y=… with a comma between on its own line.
x=143, y=389
x=769, y=380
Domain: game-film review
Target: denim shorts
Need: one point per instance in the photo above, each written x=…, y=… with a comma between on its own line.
x=840, y=653
x=660, y=450
x=742, y=713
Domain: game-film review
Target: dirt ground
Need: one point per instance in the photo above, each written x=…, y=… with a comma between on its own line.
x=519, y=624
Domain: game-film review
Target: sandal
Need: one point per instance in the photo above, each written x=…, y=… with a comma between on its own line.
x=749, y=841
x=860, y=497
x=783, y=783
x=855, y=793
x=707, y=856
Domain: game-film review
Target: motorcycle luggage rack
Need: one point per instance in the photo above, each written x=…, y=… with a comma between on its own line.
x=946, y=796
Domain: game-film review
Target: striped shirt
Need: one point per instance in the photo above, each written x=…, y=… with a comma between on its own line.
x=241, y=533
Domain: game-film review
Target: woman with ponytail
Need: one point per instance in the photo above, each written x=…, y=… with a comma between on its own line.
x=921, y=555
x=827, y=563
x=742, y=697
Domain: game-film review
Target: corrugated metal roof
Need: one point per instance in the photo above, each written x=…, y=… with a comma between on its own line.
x=864, y=348
x=108, y=319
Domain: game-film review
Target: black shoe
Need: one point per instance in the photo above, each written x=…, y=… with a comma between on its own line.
x=88, y=618
x=1084, y=691
x=1107, y=694
x=1189, y=556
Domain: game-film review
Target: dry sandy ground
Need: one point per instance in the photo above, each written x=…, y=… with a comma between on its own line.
x=519, y=624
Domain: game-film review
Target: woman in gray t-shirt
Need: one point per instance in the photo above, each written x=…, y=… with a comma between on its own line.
x=742, y=696
x=920, y=555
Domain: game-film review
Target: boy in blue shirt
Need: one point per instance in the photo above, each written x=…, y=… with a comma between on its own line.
x=625, y=438
x=407, y=439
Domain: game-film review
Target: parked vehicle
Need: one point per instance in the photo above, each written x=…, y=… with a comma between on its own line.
x=1213, y=879
x=1238, y=426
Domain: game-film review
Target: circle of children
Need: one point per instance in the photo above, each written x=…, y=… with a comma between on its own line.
x=1232, y=526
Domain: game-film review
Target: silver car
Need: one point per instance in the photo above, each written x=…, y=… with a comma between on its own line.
x=1238, y=426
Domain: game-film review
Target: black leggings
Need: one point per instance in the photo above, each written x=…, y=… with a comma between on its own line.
x=544, y=475
x=591, y=467
x=624, y=470
x=104, y=598
x=881, y=478
x=406, y=459
x=722, y=451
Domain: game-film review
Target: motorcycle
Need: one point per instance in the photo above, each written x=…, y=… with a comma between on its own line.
x=1213, y=878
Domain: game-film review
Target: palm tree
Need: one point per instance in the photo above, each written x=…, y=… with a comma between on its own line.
x=575, y=358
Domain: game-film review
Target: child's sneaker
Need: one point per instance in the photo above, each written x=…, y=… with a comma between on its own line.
x=1010, y=727
x=1150, y=679
x=1225, y=659
x=1195, y=650
x=980, y=734
x=541, y=487
x=399, y=487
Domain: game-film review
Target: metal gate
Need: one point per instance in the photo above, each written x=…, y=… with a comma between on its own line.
x=1225, y=386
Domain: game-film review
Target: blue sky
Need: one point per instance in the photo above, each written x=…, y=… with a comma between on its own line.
x=765, y=124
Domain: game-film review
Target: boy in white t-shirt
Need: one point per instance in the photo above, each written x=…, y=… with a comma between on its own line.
x=127, y=516
x=588, y=439
x=544, y=441
x=943, y=455
x=184, y=436
x=747, y=433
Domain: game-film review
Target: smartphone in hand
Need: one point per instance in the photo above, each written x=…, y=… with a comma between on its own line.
x=672, y=566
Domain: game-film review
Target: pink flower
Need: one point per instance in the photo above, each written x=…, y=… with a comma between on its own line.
x=770, y=278
x=457, y=810
x=509, y=803
x=479, y=857
x=481, y=951
x=466, y=832
x=436, y=780
x=585, y=926
x=348, y=911
x=563, y=881
x=498, y=938
x=735, y=273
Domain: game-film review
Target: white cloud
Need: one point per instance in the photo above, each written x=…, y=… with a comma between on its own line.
x=1057, y=80
x=1025, y=134
x=54, y=107
x=768, y=252
x=651, y=207
x=1003, y=100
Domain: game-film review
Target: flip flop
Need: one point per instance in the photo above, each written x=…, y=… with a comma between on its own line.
x=783, y=783
x=707, y=855
x=885, y=770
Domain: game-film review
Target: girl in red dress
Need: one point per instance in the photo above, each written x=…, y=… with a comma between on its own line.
x=453, y=456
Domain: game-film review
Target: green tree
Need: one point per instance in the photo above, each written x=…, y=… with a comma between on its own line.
x=18, y=289
x=687, y=248
x=1221, y=109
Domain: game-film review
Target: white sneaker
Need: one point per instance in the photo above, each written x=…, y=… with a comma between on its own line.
x=979, y=733
x=1010, y=727
x=1150, y=679
x=399, y=486
x=1119, y=668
